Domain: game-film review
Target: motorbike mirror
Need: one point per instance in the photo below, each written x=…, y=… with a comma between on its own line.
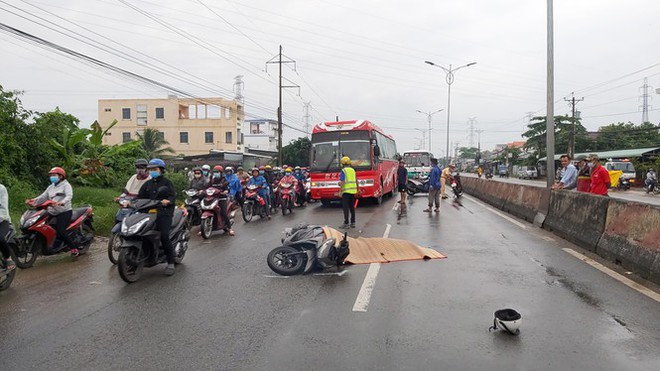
x=376, y=151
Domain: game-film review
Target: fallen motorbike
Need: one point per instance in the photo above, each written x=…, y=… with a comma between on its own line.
x=254, y=204
x=39, y=235
x=7, y=276
x=193, y=208
x=141, y=245
x=114, y=241
x=287, y=196
x=212, y=218
x=304, y=248
x=415, y=186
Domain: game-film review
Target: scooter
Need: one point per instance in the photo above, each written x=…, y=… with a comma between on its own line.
x=305, y=248
x=624, y=184
x=652, y=187
x=39, y=235
x=287, y=196
x=253, y=204
x=456, y=185
x=301, y=194
x=114, y=241
x=489, y=175
x=141, y=245
x=7, y=276
x=193, y=208
x=415, y=186
x=212, y=219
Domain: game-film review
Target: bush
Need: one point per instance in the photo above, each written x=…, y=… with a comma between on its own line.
x=102, y=200
x=180, y=182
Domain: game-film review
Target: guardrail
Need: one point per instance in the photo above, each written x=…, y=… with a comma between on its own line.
x=624, y=232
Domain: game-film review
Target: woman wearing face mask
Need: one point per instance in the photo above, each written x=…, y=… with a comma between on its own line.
x=153, y=190
x=199, y=182
x=61, y=192
x=140, y=177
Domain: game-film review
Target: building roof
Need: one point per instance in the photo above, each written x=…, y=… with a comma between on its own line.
x=622, y=153
x=518, y=144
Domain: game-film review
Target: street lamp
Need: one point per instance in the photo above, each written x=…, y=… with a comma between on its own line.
x=423, y=131
x=428, y=116
x=449, y=79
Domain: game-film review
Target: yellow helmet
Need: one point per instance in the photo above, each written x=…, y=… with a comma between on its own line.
x=268, y=167
x=345, y=160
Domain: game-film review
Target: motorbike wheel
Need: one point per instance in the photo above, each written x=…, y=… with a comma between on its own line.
x=285, y=206
x=656, y=190
x=410, y=189
x=207, y=227
x=27, y=252
x=114, y=247
x=286, y=261
x=88, y=233
x=7, y=277
x=248, y=211
x=130, y=264
x=184, y=237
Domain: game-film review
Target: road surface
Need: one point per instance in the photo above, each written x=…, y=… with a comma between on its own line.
x=633, y=194
x=225, y=310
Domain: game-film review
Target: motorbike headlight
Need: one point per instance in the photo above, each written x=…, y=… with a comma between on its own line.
x=30, y=221
x=125, y=229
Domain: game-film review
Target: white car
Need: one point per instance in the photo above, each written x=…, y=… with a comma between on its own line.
x=528, y=172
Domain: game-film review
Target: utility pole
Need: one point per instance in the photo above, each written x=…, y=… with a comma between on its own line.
x=550, y=99
x=429, y=116
x=479, y=146
x=277, y=59
x=571, y=140
x=645, y=100
x=306, y=117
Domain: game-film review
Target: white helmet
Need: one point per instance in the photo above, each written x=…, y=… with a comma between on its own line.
x=206, y=167
x=507, y=319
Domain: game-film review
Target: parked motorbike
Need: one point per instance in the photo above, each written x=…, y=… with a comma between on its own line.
x=114, y=241
x=39, y=235
x=212, y=218
x=193, y=207
x=141, y=245
x=287, y=196
x=305, y=248
x=7, y=276
x=415, y=186
x=653, y=187
x=254, y=204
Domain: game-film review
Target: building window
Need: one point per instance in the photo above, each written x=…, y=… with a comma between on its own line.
x=228, y=137
x=208, y=137
x=239, y=137
x=141, y=115
x=125, y=113
x=108, y=110
x=160, y=113
x=126, y=136
x=183, y=137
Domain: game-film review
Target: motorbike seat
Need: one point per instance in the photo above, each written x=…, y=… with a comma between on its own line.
x=78, y=212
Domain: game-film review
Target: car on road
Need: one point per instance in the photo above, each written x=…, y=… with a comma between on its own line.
x=503, y=171
x=528, y=172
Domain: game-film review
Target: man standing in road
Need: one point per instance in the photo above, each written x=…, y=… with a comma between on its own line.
x=569, y=175
x=402, y=184
x=600, y=178
x=434, y=186
x=446, y=175
x=349, y=188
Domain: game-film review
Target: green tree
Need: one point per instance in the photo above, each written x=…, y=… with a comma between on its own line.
x=154, y=144
x=297, y=152
x=536, y=135
x=621, y=135
x=467, y=153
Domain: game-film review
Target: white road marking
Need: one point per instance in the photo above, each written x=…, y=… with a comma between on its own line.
x=273, y=276
x=364, y=296
x=519, y=224
x=626, y=281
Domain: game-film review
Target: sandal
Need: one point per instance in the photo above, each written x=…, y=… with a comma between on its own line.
x=75, y=252
x=9, y=264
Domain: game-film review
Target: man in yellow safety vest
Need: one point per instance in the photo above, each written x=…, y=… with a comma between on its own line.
x=349, y=188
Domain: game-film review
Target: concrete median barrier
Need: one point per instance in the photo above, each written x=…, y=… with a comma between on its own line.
x=527, y=202
x=632, y=238
x=577, y=217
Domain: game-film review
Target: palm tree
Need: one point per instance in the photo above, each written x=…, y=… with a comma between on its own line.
x=153, y=142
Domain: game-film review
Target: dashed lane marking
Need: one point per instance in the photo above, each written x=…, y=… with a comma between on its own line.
x=519, y=224
x=364, y=295
x=626, y=281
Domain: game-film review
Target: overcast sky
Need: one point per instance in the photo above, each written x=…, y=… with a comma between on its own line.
x=359, y=59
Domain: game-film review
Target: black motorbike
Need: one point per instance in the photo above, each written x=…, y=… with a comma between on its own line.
x=114, y=242
x=652, y=186
x=489, y=175
x=193, y=206
x=415, y=186
x=305, y=248
x=7, y=276
x=624, y=184
x=141, y=246
x=456, y=186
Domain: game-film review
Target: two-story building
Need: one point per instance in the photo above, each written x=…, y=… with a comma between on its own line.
x=260, y=135
x=192, y=126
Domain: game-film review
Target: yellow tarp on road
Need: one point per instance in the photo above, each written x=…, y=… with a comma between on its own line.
x=366, y=250
x=614, y=177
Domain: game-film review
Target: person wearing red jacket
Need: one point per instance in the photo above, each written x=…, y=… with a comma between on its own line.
x=600, y=178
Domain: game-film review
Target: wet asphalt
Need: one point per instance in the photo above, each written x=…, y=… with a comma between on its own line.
x=226, y=310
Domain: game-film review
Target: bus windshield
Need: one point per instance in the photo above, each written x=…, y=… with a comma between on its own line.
x=626, y=167
x=417, y=159
x=326, y=155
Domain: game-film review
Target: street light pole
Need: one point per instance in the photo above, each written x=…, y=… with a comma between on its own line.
x=449, y=78
x=429, y=115
x=550, y=114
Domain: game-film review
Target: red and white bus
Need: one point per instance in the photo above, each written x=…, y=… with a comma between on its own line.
x=372, y=153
